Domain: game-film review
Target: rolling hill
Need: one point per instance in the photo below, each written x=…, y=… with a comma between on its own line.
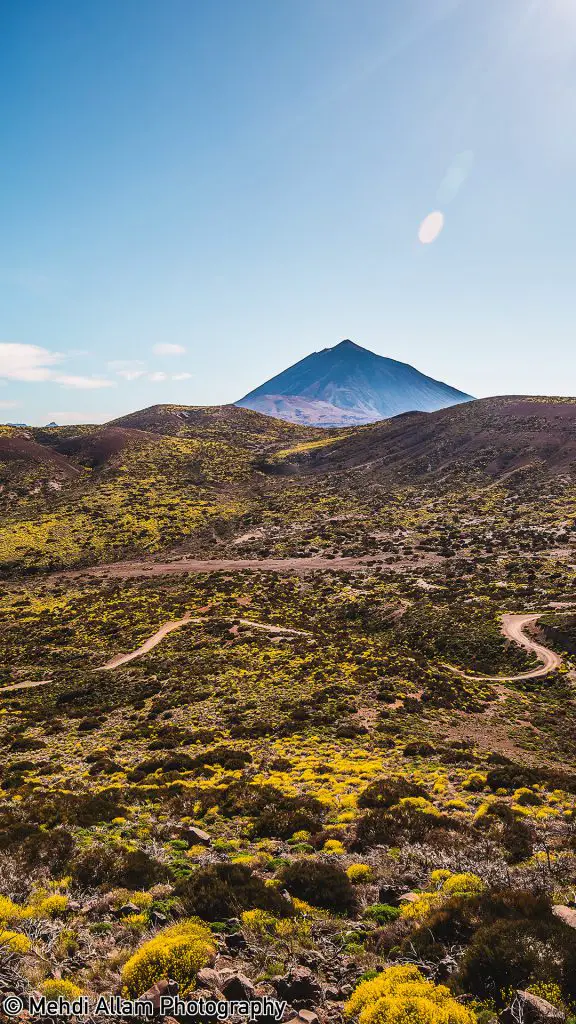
x=492, y=438
x=227, y=480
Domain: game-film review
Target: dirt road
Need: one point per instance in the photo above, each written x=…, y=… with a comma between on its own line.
x=126, y=570
x=513, y=628
x=169, y=627
x=513, y=625
x=28, y=685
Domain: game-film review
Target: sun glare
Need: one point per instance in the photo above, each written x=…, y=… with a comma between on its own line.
x=431, y=227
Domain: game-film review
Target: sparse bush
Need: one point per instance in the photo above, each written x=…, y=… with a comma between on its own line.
x=321, y=882
x=384, y=793
x=114, y=864
x=219, y=891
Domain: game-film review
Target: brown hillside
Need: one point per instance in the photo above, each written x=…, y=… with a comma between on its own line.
x=227, y=423
x=21, y=448
x=492, y=437
x=100, y=446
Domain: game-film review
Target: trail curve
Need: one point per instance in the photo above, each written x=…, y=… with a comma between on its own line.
x=169, y=627
x=513, y=625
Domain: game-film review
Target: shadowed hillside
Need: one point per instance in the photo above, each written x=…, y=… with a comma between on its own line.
x=488, y=438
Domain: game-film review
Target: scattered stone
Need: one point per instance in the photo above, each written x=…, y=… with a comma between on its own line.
x=299, y=987
x=195, y=836
x=345, y=991
x=390, y=895
x=157, y=918
x=533, y=1010
x=566, y=914
x=237, y=986
x=126, y=909
x=159, y=990
x=235, y=942
x=409, y=897
x=207, y=977
x=332, y=994
x=308, y=1016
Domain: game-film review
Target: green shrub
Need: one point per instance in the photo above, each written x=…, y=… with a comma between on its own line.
x=321, y=882
x=382, y=913
x=219, y=891
x=114, y=864
x=513, y=954
x=402, y=823
x=383, y=793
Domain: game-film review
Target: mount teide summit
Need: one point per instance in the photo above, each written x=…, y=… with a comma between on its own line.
x=347, y=385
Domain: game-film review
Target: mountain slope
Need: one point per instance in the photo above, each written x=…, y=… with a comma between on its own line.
x=348, y=385
x=491, y=437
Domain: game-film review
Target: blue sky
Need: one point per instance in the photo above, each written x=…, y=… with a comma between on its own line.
x=195, y=195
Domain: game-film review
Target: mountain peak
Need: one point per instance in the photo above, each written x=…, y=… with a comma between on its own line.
x=347, y=385
x=346, y=345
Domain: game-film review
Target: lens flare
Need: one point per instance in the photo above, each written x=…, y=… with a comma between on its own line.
x=431, y=227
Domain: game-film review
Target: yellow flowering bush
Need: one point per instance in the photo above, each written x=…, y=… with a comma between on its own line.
x=263, y=924
x=526, y=797
x=177, y=952
x=259, y=922
x=9, y=911
x=465, y=884
x=446, y=885
x=56, y=988
x=333, y=846
x=358, y=873
x=401, y=995
x=42, y=906
x=14, y=942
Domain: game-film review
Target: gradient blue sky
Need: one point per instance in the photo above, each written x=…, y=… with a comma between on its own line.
x=244, y=180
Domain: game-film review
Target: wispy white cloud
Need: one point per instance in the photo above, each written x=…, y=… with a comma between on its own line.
x=181, y=376
x=84, y=383
x=129, y=369
x=157, y=376
x=166, y=349
x=33, y=364
x=27, y=362
x=9, y=405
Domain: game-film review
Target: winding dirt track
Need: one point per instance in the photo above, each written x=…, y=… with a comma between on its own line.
x=513, y=628
x=169, y=627
x=29, y=684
